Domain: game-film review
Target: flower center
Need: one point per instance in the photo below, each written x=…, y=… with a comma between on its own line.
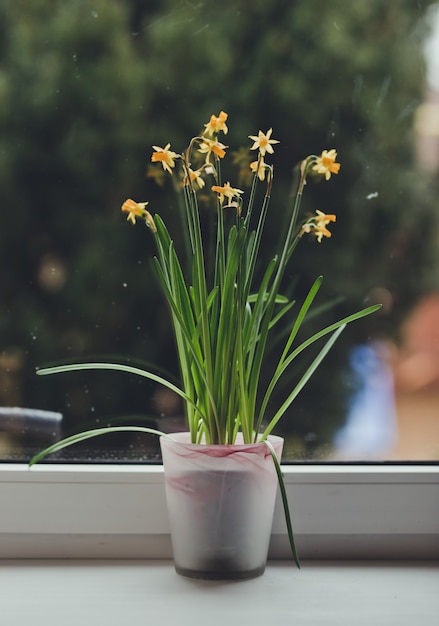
x=159, y=156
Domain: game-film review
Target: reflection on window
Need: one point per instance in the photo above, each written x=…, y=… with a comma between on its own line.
x=86, y=89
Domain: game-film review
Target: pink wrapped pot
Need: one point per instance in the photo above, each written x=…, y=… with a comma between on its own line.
x=221, y=502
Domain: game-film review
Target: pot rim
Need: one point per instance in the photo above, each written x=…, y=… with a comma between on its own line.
x=184, y=439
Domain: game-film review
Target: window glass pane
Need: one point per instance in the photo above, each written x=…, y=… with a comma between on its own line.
x=87, y=88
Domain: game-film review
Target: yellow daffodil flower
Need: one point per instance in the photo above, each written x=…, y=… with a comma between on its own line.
x=165, y=156
x=324, y=218
x=320, y=232
x=317, y=224
x=241, y=158
x=226, y=191
x=325, y=164
x=258, y=167
x=195, y=177
x=209, y=146
x=137, y=209
x=217, y=124
x=157, y=174
x=262, y=142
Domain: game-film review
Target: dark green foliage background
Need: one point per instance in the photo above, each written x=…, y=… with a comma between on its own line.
x=87, y=88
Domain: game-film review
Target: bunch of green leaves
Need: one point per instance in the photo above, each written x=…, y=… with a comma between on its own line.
x=223, y=329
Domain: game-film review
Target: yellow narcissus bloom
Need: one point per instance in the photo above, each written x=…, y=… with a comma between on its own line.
x=259, y=167
x=241, y=158
x=195, y=177
x=262, y=142
x=217, y=124
x=226, y=191
x=325, y=164
x=317, y=225
x=165, y=156
x=324, y=218
x=157, y=174
x=137, y=209
x=209, y=146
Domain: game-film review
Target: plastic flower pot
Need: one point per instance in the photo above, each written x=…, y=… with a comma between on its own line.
x=221, y=502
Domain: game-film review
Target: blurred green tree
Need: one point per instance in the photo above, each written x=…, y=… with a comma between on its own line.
x=86, y=88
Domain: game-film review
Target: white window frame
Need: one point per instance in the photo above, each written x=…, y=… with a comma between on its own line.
x=119, y=511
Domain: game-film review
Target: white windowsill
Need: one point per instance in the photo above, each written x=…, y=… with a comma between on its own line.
x=80, y=511
x=50, y=593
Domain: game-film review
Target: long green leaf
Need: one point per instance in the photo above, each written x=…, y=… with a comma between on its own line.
x=279, y=368
x=284, y=497
x=96, y=432
x=253, y=325
x=329, y=329
x=302, y=382
x=59, y=369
